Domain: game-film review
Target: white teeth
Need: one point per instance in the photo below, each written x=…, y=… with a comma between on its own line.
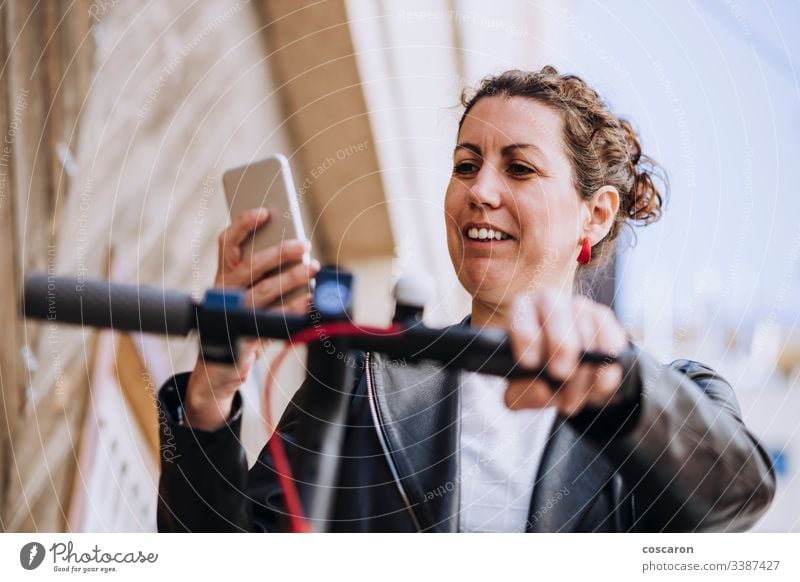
x=486, y=233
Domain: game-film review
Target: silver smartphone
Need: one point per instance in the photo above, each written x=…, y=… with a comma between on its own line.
x=267, y=183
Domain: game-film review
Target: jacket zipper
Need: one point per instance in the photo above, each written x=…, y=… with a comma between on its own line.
x=381, y=437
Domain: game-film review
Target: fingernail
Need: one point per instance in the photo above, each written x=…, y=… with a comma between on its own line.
x=261, y=212
x=315, y=264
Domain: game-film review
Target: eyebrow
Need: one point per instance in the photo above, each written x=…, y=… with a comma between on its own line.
x=507, y=150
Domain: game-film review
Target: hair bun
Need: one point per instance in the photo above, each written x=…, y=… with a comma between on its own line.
x=632, y=141
x=647, y=203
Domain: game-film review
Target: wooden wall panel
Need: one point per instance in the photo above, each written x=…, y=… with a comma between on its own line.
x=311, y=51
x=132, y=114
x=37, y=75
x=9, y=348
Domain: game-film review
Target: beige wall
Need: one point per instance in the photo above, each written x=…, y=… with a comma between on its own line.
x=178, y=94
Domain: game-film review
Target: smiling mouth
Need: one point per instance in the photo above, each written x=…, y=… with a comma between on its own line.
x=485, y=234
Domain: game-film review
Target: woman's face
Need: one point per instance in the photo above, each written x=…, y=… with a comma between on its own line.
x=512, y=178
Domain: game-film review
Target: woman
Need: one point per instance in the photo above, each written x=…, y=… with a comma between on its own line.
x=544, y=178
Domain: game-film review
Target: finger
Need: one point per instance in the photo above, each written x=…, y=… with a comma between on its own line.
x=248, y=346
x=525, y=333
x=244, y=363
x=522, y=394
x=253, y=349
x=608, y=377
x=580, y=390
x=610, y=337
x=270, y=290
x=586, y=322
x=574, y=396
x=561, y=337
x=298, y=305
x=274, y=257
x=230, y=240
x=227, y=375
x=592, y=385
x=263, y=262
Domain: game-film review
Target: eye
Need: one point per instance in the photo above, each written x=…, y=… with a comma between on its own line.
x=520, y=170
x=464, y=168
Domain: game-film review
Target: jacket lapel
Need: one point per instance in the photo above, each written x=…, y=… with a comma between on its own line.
x=419, y=408
x=571, y=474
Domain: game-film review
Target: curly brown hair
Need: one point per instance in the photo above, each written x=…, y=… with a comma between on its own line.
x=603, y=148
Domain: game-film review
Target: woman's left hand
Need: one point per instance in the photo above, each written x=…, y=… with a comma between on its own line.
x=550, y=330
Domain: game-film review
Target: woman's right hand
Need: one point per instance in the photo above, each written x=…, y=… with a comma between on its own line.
x=212, y=386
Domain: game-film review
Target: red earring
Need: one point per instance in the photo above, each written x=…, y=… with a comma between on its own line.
x=586, y=251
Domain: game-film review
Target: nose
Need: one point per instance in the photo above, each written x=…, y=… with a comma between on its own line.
x=486, y=189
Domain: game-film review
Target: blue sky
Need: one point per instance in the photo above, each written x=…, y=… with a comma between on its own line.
x=714, y=89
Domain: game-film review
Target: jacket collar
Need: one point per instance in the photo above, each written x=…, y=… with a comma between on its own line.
x=420, y=408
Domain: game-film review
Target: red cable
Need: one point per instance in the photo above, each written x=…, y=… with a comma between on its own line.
x=297, y=519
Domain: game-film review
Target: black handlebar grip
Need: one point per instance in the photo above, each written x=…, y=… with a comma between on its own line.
x=104, y=304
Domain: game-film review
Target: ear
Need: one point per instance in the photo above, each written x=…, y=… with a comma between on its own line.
x=602, y=209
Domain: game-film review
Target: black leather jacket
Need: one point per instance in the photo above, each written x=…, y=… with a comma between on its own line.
x=675, y=456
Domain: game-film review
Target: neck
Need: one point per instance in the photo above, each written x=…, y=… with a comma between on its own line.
x=488, y=315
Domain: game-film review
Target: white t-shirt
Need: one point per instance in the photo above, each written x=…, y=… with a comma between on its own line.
x=500, y=454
